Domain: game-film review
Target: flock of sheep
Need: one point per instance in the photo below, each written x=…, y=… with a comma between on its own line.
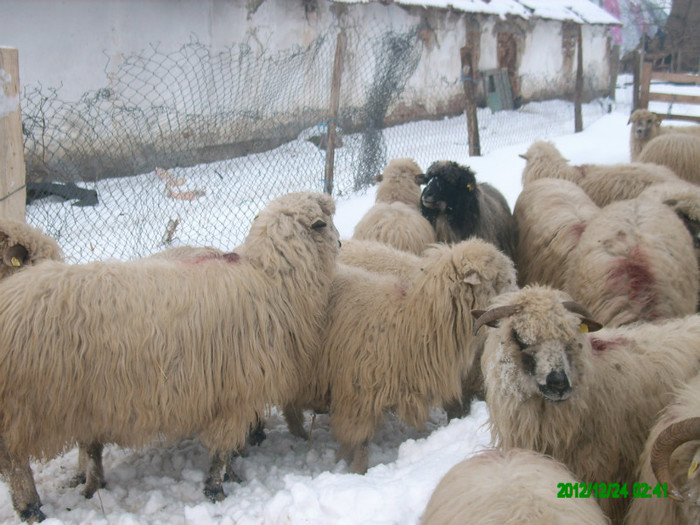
x=574, y=317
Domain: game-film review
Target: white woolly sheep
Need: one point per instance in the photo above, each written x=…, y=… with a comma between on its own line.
x=679, y=153
x=400, y=182
x=631, y=260
x=123, y=352
x=647, y=126
x=587, y=400
x=391, y=345
x=603, y=183
x=671, y=456
x=22, y=245
x=514, y=487
x=395, y=218
x=459, y=208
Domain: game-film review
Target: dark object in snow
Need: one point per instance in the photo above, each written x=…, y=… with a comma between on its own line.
x=67, y=191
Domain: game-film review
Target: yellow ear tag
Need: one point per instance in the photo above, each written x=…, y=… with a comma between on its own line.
x=583, y=328
x=693, y=467
x=469, y=187
x=16, y=262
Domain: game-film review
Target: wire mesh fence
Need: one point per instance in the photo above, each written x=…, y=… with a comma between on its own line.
x=186, y=147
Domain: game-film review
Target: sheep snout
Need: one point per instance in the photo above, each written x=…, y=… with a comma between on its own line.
x=557, y=386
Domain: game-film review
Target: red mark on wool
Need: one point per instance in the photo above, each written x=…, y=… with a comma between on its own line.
x=582, y=169
x=601, y=345
x=632, y=276
x=231, y=257
x=577, y=230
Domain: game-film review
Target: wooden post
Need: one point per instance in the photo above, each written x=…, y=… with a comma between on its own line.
x=578, y=93
x=335, y=104
x=644, y=83
x=636, y=80
x=469, y=83
x=12, y=171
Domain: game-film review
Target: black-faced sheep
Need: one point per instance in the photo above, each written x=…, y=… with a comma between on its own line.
x=679, y=153
x=647, y=126
x=395, y=218
x=22, y=245
x=405, y=347
x=122, y=352
x=671, y=456
x=458, y=207
x=514, y=487
x=631, y=260
x=603, y=183
x=587, y=400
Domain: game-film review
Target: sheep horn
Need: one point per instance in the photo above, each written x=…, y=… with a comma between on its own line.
x=490, y=316
x=667, y=441
x=15, y=255
x=586, y=316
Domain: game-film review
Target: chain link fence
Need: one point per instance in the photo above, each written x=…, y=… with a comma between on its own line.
x=186, y=147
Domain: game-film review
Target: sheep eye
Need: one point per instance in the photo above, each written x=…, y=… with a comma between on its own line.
x=318, y=225
x=521, y=344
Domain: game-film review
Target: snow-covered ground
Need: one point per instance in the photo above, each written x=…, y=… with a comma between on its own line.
x=291, y=481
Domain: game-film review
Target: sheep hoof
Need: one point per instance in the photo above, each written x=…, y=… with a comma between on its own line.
x=214, y=493
x=231, y=476
x=32, y=513
x=78, y=479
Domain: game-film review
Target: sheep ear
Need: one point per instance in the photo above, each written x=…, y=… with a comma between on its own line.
x=523, y=156
x=378, y=178
x=318, y=224
x=589, y=325
x=15, y=256
x=421, y=179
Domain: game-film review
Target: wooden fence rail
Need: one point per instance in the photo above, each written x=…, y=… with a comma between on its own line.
x=646, y=95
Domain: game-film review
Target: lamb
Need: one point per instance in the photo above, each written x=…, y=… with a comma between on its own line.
x=647, y=126
x=509, y=488
x=587, y=400
x=22, y=245
x=173, y=348
x=389, y=345
x=671, y=456
x=459, y=208
x=631, y=260
x=395, y=218
x=603, y=183
x=680, y=153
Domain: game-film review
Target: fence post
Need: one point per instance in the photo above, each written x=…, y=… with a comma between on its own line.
x=636, y=80
x=335, y=103
x=12, y=170
x=644, y=83
x=578, y=91
x=469, y=83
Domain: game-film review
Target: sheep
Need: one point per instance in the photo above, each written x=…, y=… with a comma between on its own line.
x=508, y=488
x=400, y=182
x=631, y=260
x=680, y=153
x=123, y=352
x=647, y=126
x=395, y=218
x=22, y=245
x=396, y=224
x=670, y=456
x=390, y=345
x=377, y=257
x=603, y=183
x=458, y=207
x=587, y=400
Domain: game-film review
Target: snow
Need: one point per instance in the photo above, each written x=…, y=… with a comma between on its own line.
x=579, y=11
x=287, y=480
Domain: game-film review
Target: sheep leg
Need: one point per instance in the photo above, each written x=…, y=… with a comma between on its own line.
x=454, y=409
x=213, y=488
x=294, y=416
x=256, y=435
x=93, y=469
x=18, y=474
x=356, y=456
x=81, y=475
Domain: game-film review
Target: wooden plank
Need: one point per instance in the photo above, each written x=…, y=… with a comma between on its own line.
x=335, y=104
x=673, y=98
x=578, y=89
x=469, y=84
x=676, y=78
x=690, y=118
x=12, y=169
x=636, y=80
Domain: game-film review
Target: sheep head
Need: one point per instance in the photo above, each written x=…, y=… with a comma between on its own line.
x=539, y=343
x=666, y=442
x=644, y=124
x=451, y=190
